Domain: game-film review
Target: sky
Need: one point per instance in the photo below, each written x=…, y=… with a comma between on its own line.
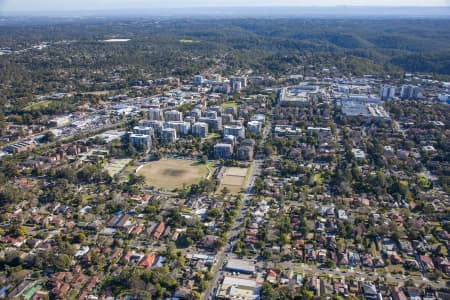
x=67, y=5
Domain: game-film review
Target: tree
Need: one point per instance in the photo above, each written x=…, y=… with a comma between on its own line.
x=49, y=137
x=61, y=262
x=195, y=295
x=268, y=292
x=79, y=238
x=225, y=191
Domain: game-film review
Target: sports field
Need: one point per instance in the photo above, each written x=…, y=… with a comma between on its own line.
x=233, y=179
x=169, y=174
x=116, y=166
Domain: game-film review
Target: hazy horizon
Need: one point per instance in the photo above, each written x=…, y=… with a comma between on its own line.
x=100, y=5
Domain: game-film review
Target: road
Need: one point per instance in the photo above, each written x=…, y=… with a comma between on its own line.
x=226, y=251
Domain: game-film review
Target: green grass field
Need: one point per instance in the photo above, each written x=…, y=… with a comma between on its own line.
x=37, y=105
x=229, y=104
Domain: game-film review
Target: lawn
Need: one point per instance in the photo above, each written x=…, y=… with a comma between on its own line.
x=97, y=93
x=169, y=174
x=229, y=104
x=37, y=105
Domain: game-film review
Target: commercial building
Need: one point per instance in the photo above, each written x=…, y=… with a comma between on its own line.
x=235, y=130
x=200, y=129
x=299, y=95
x=240, y=266
x=173, y=116
x=168, y=135
x=223, y=151
x=59, y=121
x=363, y=106
x=239, y=288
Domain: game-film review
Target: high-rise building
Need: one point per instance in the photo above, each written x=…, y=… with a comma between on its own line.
x=245, y=153
x=196, y=113
x=214, y=124
x=198, y=79
x=230, y=110
x=155, y=114
x=223, y=151
x=168, y=135
x=410, y=92
x=387, y=92
x=227, y=119
x=200, y=129
x=235, y=130
x=211, y=114
x=155, y=125
x=173, y=116
x=141, y=141
x=181, y=127
x=143, y=130
x=254, y=126
x=444, y=98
